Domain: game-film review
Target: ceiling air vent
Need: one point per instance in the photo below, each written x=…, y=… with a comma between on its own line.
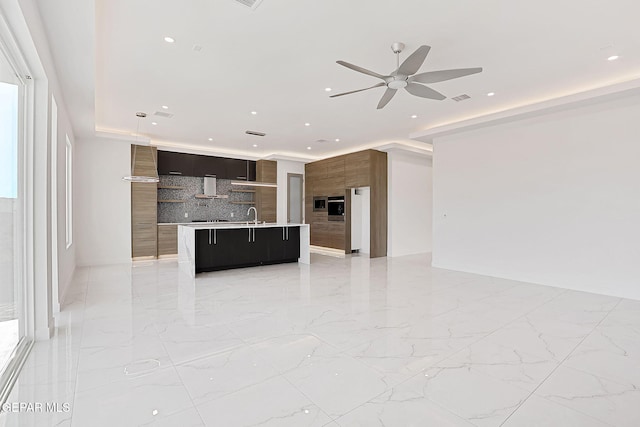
x=461, y=97
x=321, y=141
x=254, y=133
x=253, y=4
x=163, y=114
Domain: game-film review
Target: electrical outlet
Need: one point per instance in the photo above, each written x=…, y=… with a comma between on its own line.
x=186, y=214
x=231, y=214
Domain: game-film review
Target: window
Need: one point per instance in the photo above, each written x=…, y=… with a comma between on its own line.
x=69, y=192
x=8, y=140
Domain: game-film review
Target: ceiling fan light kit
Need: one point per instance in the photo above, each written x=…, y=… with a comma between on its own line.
x=405, y=77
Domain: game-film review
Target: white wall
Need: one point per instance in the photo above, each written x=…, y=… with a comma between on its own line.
x=66, y=256
x=285, y=167
x=103, y=202
x=410, y=203
x=553, y=200
x=24, y=20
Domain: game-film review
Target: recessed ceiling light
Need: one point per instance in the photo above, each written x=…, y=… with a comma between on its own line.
x=154, y=123
x=491, y=94
x=327, y=89
x=165, y=107
x=308, y=148
x=255, y=145
x=307, y=124
x=210, y=139
x=169, y=39
x=613, y=58
x=414, y=116
x=337, y=139
x=254, y=112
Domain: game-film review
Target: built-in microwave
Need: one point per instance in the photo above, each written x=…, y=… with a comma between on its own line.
x=320, y=204
x=335, y=208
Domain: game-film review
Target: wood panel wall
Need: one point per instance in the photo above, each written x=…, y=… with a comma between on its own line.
x=266, y=197
x=335, y=177
x=167, y=239
x=144, y=204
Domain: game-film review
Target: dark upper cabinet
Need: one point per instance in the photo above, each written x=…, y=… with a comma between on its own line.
x=252, y=171
x=210, y=166
x=170, y=163
x=237, y=169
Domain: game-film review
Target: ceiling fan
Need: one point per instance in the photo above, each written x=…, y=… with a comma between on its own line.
x=405, y=76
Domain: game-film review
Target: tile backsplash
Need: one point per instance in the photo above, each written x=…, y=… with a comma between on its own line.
x=200, y=209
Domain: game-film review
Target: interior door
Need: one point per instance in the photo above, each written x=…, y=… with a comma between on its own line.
x=294, y=198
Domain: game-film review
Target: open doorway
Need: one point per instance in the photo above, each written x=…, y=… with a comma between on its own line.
x=294, y=198
x=360, y=216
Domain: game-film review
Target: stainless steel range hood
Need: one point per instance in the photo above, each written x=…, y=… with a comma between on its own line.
x=210, y=184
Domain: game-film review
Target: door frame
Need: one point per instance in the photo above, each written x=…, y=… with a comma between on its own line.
x=289, y=176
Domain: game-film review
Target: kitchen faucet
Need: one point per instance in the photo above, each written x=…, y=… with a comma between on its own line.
x=255, y=211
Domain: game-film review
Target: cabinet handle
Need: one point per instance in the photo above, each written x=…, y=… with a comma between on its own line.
x=287, y=233
x=210, y=176
x=215, y=237
x=254, y=235
x=241, y=177
x=282, y=233
x=175, y=173
x=249, y=235
x=209, y=236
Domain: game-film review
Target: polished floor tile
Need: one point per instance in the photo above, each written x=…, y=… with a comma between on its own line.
x=341, y=342
x=614, y=403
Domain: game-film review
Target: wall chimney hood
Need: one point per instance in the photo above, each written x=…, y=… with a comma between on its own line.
x=210, y=189
x=210, y=186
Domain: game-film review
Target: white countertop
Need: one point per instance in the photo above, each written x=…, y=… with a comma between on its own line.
x=219, y=225
x=202, y=223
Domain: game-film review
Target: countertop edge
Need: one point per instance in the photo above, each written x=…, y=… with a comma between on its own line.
x=243, y=225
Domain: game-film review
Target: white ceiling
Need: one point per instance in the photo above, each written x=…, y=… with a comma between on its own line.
x=278, y=59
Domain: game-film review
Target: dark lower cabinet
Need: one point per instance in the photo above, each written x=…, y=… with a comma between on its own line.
x=212, y=249
x=292, y=243
x=221, y=249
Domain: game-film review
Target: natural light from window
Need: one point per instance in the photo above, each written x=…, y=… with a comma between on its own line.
x=8, y=140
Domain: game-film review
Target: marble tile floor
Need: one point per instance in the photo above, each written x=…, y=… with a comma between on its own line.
x=341, y=342
x=9, y=337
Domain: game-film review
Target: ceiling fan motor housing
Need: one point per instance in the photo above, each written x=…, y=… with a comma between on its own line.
x=397, y=47
x=397, y=82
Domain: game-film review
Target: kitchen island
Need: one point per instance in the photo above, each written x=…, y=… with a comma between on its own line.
x=220, y=246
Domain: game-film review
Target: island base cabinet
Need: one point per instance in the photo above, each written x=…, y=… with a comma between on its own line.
x=292, y=244
x=286, y=245
x=212, y=249
x=221, y=249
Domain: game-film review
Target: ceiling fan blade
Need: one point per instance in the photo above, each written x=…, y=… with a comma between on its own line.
x=359, y=90
x=412, y=64
x=360, y=69
x=424, y=92
x=388, y=94
x=442, y=75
